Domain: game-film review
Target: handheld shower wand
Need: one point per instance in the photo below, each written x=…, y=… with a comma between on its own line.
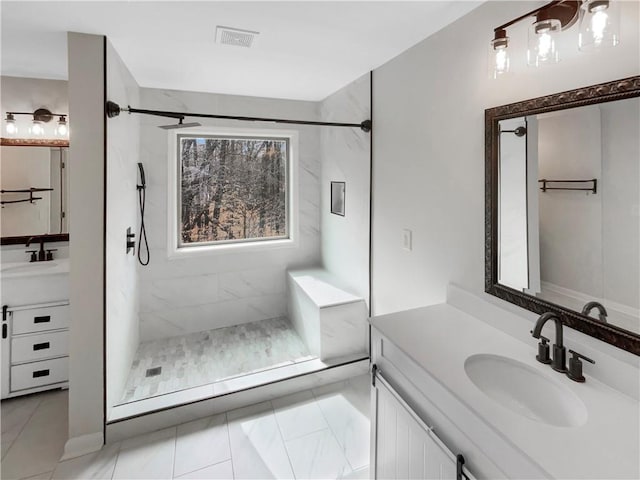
x=142, y=197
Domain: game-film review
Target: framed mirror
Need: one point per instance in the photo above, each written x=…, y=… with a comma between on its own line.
x=34, y=190
x=562, y=208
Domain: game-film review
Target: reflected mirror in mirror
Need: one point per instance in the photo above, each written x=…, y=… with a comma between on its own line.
x=569, y=208
x=34, y=187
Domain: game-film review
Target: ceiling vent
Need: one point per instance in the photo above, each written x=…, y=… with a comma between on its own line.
x=235, y=36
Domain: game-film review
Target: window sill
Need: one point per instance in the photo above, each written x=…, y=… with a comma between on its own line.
x=229, y=248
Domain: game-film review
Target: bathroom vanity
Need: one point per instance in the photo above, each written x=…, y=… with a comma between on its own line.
x=35, y=326
x=486, y=397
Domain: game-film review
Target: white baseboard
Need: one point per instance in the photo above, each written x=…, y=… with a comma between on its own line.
x=83, y=445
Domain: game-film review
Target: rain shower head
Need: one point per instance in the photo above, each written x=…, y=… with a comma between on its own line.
x=180, y=124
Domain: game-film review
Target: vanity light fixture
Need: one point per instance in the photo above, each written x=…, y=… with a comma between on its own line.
x=599, y=21
x=40, y=117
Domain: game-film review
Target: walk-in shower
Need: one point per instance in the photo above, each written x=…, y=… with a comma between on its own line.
x=247, y=286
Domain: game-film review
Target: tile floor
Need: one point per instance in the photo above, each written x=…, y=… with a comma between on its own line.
x=206, y=357
x=319, y=433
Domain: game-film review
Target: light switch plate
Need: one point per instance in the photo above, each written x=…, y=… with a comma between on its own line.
x=407, y=239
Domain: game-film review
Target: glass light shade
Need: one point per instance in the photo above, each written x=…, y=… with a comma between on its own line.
x=62, y=129
x=37, y=129
x=542, y=43
x=599, y=25
x=11, y=128
x=499, y=62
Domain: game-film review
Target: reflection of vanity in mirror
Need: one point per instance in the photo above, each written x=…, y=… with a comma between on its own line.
x=34, y=190
x=34, y=271
x=563, y=208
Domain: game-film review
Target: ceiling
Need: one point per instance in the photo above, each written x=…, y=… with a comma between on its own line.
x=306, y=50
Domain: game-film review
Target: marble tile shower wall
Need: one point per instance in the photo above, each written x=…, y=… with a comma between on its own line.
x=186, y=295
x=346, y=158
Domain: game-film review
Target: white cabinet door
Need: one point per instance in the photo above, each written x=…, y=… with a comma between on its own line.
x=404, y=447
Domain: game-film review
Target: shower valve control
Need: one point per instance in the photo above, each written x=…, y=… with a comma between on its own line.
x=131, y=243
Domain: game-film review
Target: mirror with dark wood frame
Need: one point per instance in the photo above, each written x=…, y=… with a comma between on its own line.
x=562, y=208
x=34, y=190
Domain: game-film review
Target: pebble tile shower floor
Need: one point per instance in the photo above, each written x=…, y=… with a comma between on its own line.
x=206, y=357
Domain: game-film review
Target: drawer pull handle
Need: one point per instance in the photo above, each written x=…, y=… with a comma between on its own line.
x=41, y=346
x=41, y=373
x=43, y=319
x=4, y=330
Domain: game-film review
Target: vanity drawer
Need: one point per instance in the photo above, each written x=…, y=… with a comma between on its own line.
x=37, y=374
x=36, y=347
x=40, y=319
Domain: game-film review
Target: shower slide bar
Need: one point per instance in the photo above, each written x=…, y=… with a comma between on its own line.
x=592, y=189
x=113, y=110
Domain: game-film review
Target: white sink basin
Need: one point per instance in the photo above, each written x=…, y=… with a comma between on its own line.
x=524, y=390
x=27, y=267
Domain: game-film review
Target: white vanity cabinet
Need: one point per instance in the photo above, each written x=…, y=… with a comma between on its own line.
x=403, y=445
x=430, y=356
x=35, y=348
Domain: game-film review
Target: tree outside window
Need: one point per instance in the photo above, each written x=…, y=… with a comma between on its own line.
x=232, y=189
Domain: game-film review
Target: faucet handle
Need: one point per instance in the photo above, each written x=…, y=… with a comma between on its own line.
x=543, y=350
x=34, y=257
x=575, y=366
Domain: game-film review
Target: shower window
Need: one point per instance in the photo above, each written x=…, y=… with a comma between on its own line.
x=232, y=189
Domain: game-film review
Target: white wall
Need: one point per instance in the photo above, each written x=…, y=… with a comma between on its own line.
x=621, y=202
x=569, y=147
x=345, y=158
x=184, y=295
x=123, y=139
x=86, y=278
x=429, y=107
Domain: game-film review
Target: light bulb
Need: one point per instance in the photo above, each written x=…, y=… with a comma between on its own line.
x=542, y=42
x=545, y=45
x=37, y=129
x=598, y=25
x=502, y=60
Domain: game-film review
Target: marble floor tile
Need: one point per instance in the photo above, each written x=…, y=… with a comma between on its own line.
x=40, y=444
x=346, y=408
x=213, y=355
x=94, y=466
x=201, y=443
x=261, y=441
x=317, y=455
x=41, y=476
x=298, y=414
x=257, y=448
x=219, y=471
x=15, y=413
x=147, y=456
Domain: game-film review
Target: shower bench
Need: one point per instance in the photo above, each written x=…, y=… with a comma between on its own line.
x=329, y=319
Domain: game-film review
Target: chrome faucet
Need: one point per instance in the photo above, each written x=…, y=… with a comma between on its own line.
x=602, y=312
x=558, y=362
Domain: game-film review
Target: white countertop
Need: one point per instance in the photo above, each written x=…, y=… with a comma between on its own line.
x=30, y=269
x=440, y=338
